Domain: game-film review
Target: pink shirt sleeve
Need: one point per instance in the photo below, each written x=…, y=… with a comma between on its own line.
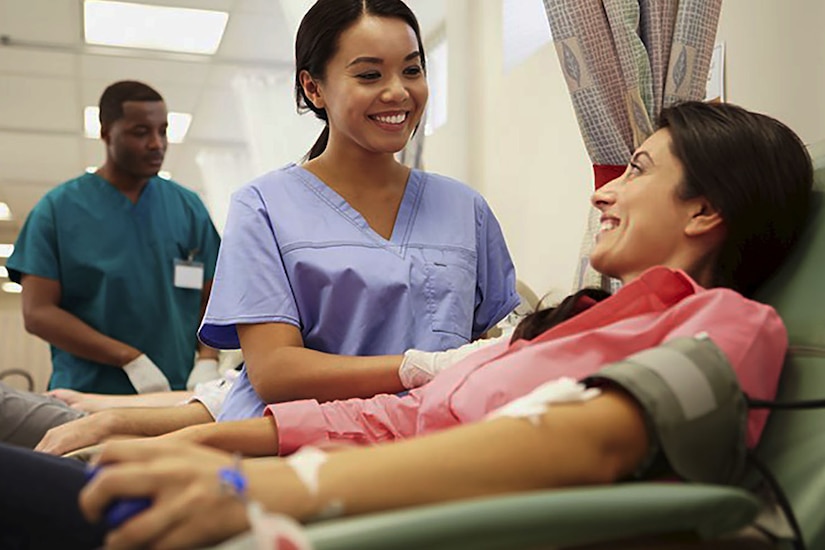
x=752, y=337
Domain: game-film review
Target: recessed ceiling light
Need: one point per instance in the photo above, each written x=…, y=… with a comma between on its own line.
x=5, y=211
x=4, y=273
x=12, y=288
x=132, y=25
x=178, y=125
x=91, y=169
x=165, y=175
x=6, y=250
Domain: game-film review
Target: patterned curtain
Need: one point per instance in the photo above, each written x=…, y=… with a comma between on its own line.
x=623, y=61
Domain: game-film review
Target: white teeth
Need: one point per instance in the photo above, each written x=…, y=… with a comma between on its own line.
x=394, y=119
x=607, y=225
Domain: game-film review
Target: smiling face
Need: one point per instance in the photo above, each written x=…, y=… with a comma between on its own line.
x=374, y=89
x=136, y=142
x=644, y=223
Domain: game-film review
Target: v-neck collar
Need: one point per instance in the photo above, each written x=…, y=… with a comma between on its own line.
x=133, y=207
x=404, y=219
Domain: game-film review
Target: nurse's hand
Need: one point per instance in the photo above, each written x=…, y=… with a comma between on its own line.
x=145, y=376
x=419, y=367
x=190, y=507
x=205, y=370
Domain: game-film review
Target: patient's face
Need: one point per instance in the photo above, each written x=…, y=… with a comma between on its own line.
x=642, y=218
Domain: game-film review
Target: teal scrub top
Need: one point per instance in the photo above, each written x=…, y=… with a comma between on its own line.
x=115, y=261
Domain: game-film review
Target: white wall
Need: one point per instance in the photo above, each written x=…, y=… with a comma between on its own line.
x=775, y=60
x=514, y=136
x=18, y=349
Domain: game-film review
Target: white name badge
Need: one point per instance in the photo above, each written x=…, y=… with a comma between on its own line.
x=188, y=274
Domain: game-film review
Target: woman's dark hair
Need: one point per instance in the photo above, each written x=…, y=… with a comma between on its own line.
x=753, y=169
x=317, y=42
x=756, y=172
x=545, y=319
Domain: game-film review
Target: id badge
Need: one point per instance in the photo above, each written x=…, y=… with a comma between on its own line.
x=188, y=274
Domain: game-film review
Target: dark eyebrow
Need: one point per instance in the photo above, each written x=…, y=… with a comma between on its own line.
x=379, y=61
x=638, y=154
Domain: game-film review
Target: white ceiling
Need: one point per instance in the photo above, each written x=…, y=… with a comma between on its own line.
x=48, y=75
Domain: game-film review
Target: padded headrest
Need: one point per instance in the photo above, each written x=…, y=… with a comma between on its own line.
x=796, y=290
x=793, y=444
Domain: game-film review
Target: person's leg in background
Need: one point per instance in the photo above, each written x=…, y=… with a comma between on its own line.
x=38, y=502
x=25, y=417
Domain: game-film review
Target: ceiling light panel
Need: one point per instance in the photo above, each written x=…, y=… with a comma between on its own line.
x=176, y=131
x=150, y=27
x=12, y=288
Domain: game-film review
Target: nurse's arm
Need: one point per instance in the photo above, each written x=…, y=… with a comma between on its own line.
x=43, y=317
x=204, y=351
x=281, y=369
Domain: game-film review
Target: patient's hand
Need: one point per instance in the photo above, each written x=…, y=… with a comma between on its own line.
x=190, y=507
x=86, y=402
x=76, y=434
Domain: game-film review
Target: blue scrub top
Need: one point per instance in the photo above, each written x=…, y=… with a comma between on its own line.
x=294, y=251
x=114, y=260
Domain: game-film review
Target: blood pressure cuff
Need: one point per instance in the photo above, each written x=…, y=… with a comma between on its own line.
x=694, y=408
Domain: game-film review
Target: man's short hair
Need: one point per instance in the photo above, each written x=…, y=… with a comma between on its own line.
x=113, y=98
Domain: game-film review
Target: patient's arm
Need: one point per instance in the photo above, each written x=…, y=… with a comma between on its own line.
x=280, y=368
x=595, y=442
x=139, y=422
x=94, y=402
x=252, y=437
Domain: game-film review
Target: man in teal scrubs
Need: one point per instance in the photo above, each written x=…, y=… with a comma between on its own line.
x=116, y=266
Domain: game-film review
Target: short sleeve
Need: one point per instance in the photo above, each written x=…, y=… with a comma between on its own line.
x=751, y=335
x=35, y=251
x=251, y=284
x=496, y=294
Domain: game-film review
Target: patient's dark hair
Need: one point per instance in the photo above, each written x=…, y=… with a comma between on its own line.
x=750, y=167
x=756, y=172
x=113, y=98
x=317, y=42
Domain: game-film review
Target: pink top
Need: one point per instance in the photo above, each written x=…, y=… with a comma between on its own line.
x=660, y=305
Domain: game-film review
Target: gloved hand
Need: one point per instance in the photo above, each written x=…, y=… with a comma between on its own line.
x=419, y=367
x=145, y=376
x=203, y=371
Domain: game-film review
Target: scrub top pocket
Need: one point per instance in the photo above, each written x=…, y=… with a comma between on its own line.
x=450, y=288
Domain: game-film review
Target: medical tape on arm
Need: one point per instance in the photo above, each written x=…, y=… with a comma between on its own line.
x=270, y=531
x=306, y=464
x=693, y=405
x=533, y=405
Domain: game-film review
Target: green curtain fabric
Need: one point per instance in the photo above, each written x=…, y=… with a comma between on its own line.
x=624, y=60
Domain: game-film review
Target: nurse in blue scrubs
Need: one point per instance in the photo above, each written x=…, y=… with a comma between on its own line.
x=116, y=265
x=330, y=269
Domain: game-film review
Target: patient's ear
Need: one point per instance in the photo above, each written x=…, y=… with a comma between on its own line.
x=705, y=219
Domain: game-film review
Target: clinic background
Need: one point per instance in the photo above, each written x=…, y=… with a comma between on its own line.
x=501, y=118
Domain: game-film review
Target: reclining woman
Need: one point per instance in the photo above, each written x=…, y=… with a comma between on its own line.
x=707, y=209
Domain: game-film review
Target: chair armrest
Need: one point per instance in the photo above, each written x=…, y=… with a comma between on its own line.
x=557, y=517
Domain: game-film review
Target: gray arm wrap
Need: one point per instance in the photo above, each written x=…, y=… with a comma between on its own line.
x=693, y=405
